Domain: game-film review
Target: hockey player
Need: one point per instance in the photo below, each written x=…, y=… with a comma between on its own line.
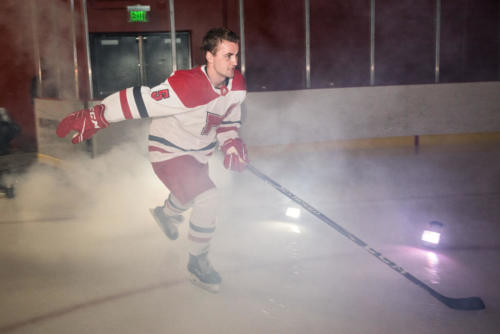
x=192, y=112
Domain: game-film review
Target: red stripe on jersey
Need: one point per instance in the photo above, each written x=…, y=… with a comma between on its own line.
x=192, y=87
x=157, y=149
x=226, y=129
x=124, y=104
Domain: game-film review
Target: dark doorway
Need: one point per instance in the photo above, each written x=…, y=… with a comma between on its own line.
x=125, y=60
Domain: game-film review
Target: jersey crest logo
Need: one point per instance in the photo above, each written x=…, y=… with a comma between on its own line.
x=160, y=95
x=213, y=121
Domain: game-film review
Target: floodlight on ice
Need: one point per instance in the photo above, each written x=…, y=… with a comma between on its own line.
x=293, y=212
x=431, y=237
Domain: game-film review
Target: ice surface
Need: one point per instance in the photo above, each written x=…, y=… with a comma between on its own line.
x=81, y=254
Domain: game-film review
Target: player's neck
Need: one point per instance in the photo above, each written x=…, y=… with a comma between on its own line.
x=216, y=79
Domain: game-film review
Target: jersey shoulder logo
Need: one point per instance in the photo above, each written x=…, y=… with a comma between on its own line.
x=160, y=95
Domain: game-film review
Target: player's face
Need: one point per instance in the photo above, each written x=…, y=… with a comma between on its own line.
x=224, y=61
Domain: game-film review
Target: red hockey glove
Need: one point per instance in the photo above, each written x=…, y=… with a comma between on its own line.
x=85, y=122
x=235, y=154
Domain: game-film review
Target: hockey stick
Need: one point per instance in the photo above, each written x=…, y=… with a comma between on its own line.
x=469, y=303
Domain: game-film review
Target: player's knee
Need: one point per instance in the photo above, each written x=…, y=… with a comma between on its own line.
x=205, y=207
x=207, y=198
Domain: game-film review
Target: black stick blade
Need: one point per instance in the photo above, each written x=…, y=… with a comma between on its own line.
x=466, y=304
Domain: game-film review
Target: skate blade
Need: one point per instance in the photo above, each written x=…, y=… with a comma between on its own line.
x=169, y=235
x=214, y=288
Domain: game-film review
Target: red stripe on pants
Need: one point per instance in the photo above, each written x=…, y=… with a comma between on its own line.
x=197, y=239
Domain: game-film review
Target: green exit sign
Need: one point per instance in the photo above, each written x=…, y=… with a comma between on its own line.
x=138, y=13
x=138, y=16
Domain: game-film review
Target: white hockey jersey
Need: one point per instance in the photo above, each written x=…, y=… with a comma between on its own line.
x=189, y=114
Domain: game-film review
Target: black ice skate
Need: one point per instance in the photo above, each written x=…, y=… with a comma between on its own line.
x=167, y=223
x=203, y=274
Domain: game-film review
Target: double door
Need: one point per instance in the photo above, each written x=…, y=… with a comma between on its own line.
x=125, y=60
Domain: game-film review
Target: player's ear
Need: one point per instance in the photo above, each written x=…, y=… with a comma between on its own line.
x=209, y=57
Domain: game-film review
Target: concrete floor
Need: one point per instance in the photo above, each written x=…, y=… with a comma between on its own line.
x=80, y=254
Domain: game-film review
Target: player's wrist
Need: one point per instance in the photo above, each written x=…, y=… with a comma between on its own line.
x=96, y=114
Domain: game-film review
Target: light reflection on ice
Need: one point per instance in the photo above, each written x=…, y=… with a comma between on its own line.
x=433, y=267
